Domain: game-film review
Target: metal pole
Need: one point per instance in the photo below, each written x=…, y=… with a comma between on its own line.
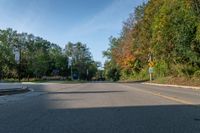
x=71, y=73
x=87, y=74
x=150, y=73
x=19, y=69
x=150, y=77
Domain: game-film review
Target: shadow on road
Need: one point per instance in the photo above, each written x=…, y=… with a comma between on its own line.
x=130, y=119
x=85, y=92
x=38, y=115
x=135, y=119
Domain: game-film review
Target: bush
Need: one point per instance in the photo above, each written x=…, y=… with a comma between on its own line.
x=161, y=69
x=197, y=74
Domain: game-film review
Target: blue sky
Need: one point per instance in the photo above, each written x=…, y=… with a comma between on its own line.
x=60, y=21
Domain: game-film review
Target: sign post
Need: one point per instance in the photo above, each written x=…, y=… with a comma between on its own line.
x=150, y=73
x=151, y=67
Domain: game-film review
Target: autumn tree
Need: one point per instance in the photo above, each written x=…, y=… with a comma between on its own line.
x=168, y=30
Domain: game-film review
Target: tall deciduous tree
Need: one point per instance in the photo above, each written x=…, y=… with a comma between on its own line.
x=168, y=30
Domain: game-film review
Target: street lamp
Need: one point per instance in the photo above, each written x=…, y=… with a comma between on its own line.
x=70, y=64
x=17, y=53
x=87, y=72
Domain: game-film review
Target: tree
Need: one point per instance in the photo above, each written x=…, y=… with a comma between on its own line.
x=39, y=57
x=83, y=65
x=168, y=30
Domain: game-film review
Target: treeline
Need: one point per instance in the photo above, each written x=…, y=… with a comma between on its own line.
x=167, y=30
x=26, y=56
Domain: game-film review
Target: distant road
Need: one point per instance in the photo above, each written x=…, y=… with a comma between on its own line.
x=10, y=85
x=101, y=108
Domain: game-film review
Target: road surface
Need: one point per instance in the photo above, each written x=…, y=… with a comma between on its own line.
x=10, y=85
x=101, y=108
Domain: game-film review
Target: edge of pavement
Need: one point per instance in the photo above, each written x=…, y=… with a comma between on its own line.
x=16, y=90
x=177, y=86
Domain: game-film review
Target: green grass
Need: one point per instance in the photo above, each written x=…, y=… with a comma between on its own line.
x=187, y=81
x=34, y=80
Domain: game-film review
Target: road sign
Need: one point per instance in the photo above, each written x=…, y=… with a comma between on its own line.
x=151, y=64
x=151, y=70
x=150, y=73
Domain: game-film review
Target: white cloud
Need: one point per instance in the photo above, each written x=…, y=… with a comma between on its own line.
x=109, y=19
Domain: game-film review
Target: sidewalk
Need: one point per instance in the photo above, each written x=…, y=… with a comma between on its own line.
x=12, y=88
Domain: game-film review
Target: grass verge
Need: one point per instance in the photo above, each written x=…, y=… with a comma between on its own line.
x=185, y=81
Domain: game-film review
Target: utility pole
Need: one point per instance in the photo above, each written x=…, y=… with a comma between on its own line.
x=87, y=72
x=71, y=73
x=19, y=76
x=17, y=53
x=70, y=64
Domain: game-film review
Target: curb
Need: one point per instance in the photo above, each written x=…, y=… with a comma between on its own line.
x=178, y=86
x=134, y=81
x=13, y=91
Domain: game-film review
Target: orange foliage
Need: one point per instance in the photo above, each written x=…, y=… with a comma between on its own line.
x=123, y=54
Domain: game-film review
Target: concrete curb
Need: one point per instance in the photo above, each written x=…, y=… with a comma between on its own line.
x=178, y=86
x=13, y=91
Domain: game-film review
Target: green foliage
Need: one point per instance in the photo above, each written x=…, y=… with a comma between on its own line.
x=142, y=75
x=197, y=74
x=111, y=71
x=82, y=62
x=161, y=69
x=198, y=33
x=39, y=57
x=139, y=12
x=169, y=30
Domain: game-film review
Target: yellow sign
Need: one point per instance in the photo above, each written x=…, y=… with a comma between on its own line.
x=151, y=64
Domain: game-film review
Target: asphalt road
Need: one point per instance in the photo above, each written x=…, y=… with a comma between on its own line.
x=101, y=108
